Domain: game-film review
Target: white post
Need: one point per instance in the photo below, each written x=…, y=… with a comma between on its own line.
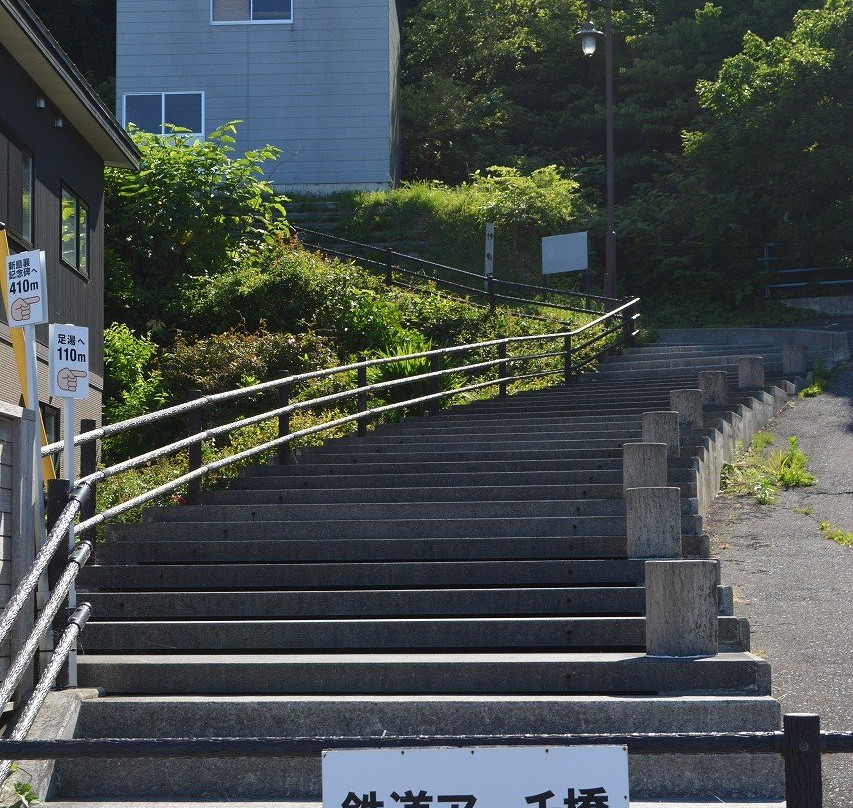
x=68, y=469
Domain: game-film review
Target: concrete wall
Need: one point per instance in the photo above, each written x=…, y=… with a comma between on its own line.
x=317, y=88
x=841, y=304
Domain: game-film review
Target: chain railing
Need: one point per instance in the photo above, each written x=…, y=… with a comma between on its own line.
x=606, y=333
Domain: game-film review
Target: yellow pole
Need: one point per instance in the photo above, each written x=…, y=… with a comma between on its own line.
x=17, y=335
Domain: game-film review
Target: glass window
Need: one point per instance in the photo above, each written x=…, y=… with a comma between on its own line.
x=144, y=111
x=251, y=10
x=75, y=231
x=158, y=112
x=27, y=184
x=230, y=10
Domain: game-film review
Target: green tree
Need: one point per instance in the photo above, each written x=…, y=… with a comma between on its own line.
x=191, y=211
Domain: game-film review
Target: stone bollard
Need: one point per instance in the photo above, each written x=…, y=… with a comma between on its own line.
x=662, y=427
x=681, y=608
x=654, y=522
x=750, y=372
x=688, y=405
x=793, y=360
x=643, y=465
x=714, y=386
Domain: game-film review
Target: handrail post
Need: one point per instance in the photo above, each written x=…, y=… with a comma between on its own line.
x=627, y=327
x=502, y=370
x=195, y=424
x=801, y=750
x=567, y=359
x=435, y=384
x=88, y=465
x=389, y=266
x=284, y=449
x=362, y=398
x=490, y=284
x=57, y=499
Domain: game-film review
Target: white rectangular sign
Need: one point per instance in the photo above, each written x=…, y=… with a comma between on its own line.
x=481, y=777
x=566, y=253
x=69, y=361
x=490, y=249
x=27, y=285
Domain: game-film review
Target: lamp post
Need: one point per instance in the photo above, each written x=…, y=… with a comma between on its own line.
x=589, y=36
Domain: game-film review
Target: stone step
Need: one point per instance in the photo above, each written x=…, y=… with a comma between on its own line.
x=590, y=600
x=349, y=575
x=299, y=778
x=388, y=635
x=296, y=477
x=325, y=511
x=413, y=493
x=423, y=528
x=490, y=439
x=615, y=673
x=140, y=551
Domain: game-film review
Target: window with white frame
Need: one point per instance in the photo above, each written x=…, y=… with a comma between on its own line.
x=159, y=112
x=243, y=11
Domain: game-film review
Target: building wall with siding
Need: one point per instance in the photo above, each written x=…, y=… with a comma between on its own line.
x=60, y=156
x=317, y=88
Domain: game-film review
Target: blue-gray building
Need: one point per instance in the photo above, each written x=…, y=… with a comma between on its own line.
x=316, y=78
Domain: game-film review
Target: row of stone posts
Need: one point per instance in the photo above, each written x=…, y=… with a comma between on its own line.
x=681, y=594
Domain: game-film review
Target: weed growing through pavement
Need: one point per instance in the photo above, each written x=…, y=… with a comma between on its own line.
x=819, y=382
x=839, y=536
x=760, y=474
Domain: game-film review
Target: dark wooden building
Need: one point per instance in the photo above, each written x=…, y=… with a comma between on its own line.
x=55, y=139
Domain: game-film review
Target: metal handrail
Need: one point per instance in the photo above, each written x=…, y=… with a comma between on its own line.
x=230, y=395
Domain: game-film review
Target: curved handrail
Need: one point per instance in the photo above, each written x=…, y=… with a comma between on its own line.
x=230, y=395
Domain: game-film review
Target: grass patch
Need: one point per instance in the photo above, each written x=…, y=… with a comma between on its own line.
x=819, y=382
x=760, y=473
x=836, y=534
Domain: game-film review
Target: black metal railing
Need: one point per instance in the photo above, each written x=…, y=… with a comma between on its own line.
x=401, y=269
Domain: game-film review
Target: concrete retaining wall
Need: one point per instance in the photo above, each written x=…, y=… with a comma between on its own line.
x=842, y=304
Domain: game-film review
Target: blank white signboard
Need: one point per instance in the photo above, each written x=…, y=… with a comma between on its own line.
x=566, y=253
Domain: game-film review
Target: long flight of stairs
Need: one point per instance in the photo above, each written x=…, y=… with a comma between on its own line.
x=463, y=573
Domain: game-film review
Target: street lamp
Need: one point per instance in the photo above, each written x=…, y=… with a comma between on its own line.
x=589, y=36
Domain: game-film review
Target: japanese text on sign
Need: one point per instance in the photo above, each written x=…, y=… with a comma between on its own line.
x=69, y=361
x=26, y=282
x=495, y=777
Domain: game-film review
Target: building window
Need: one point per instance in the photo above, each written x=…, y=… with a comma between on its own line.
x=18, y=170
x=159, y=112
x=75, y=232
x=243, y=11
x=27, y=186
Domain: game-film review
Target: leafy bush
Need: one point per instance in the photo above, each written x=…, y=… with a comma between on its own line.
x=403, y=368
x=237, y=358
x=451, y=220
x=192, y=210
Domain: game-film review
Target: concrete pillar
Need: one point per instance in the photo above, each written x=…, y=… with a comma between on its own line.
x=681, y=608
x=662, y=427
x=688, y=405
x=793, y=360
x=750, y=372
x=714, y=386
x=643, y=465
x=654, y=522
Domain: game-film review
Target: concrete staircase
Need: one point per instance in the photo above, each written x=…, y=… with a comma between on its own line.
x=463, y=573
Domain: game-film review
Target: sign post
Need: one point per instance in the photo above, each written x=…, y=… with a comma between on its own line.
x=477, y=777
x=490, y=249
x=69, y=380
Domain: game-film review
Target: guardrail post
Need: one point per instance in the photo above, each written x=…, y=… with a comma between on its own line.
x=435, y=384
x=284, y=449
x=567, y=359
x=502, y=370
x=195, y=424
x=362, y=398
x=57, y=499
x=490, y=286
x=389, y=266
x=801, y=751
x=88, y=465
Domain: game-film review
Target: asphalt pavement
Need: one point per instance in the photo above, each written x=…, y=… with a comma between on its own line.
x=794, y=585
